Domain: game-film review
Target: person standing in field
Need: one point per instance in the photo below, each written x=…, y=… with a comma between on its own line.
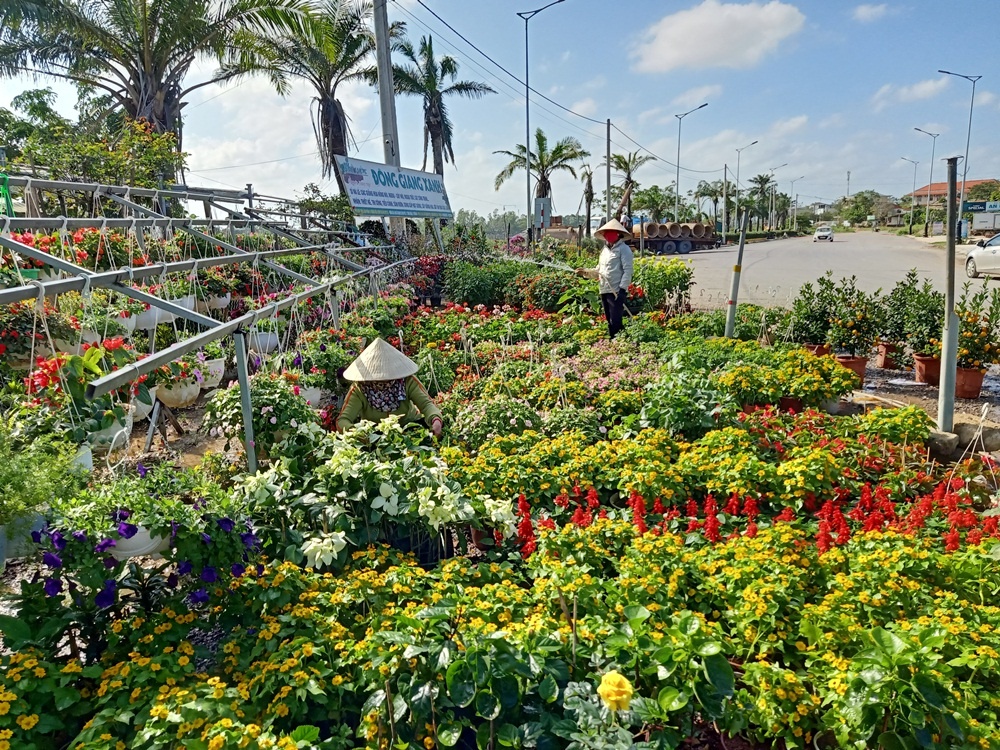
x=613, y=273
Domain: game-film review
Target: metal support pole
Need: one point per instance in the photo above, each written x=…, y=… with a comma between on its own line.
x=949, y=339
x=725, y=200
x=528, y=214
x=243, y=373
x=386, y=90
x=734, y=287
x=930, y=181
x=607, y=164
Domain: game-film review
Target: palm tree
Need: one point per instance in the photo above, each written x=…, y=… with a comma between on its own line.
x=428, y=78
x=627, y=164
x=139, y=52
x=337, y=50
x=713, y=192
x=587, y=177
x=761, y=191
x=543, y=162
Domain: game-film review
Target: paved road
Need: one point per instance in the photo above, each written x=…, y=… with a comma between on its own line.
x=773, y=271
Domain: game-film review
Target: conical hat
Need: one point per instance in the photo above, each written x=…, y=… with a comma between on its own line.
x=380, y=361
x=615, y=226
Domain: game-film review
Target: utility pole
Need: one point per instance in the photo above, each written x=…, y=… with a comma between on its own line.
x=848, y=184
x=913, y=195
x=734, y=288
x=386, y=89
x=607, y=164
x=949, y=339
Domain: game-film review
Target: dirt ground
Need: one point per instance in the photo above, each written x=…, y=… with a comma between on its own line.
x=898, y=387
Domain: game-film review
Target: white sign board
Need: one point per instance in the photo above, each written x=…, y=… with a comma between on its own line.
x=382, y=190
x=543, y=212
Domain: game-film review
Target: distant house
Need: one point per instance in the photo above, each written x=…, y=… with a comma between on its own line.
x=820, y=209
x=939, y=191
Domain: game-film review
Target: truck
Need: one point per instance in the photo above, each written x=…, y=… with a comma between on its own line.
x=674, y=237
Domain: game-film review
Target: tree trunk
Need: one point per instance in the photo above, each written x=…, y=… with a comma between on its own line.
x=331, y=136
x=588, y=218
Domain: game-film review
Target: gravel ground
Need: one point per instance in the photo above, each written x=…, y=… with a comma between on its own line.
x=899, y=387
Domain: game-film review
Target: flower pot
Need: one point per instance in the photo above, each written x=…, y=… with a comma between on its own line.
x=885, y=357
x=140, y=410
x=818, y=349
x=212, y=371
x=146, y=320
x=856, y=365
x=142, y=543
x=479, y=536
x=110, y=438
x=91, y=337
x=65, y=347
x=927, y=369
x=968, y=382
x=219, y=302
x=129, y=322
x=312, y=395
x=84, y=457
x=830, y=406
x=263, y=342
x=790, y=403
x=186, y=302
x=179, y=395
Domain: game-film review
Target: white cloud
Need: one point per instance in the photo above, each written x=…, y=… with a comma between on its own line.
x=788, y=126
x=587, y=107
x=890, y=94
x=718, y=35
x=694, y=97
x=869, y=12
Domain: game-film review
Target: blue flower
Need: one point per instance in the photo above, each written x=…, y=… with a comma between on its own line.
x=36, y=536
x=206, y=538
x=80, y=536
x=121, y=515
x=127, y=530
x=110, y=562
x=184, y=568
x=209, y=574
x=142, y=470
x=249, y=540
x=322, y=347
x=104, y=545
x=173, y=530
x=198, y=597
x=106, y=597
x=226, y=524
x=52, y=586
x=297, y=362
x=52, y=560
x=57, y=540
x=172, y=581
x=238, y=570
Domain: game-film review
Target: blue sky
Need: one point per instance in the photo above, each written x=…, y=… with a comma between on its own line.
x=826, y=86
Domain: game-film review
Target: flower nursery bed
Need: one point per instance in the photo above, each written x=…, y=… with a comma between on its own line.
x=661, y=541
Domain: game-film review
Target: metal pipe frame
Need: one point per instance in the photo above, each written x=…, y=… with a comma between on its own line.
x=178, y=192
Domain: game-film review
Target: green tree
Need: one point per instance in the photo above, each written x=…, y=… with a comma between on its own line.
x=433, y=80
x=654, y=201
x=713, y=192
x=984, y=191
x=315, y=203
x=544, y=162
x=760, y=196
x=139, y=52
x=626, y=165
x=40, y=121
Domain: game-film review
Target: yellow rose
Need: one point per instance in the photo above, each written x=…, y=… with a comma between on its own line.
x=615, y=691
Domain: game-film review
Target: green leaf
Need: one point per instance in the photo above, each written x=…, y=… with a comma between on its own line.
x=671, y=699
x=487, y=706
x=305, y=733
x=689, y=625
x=375, y=700
x=448, y=734
x=13, y=630
x=720, y=674
x=709, y=648
x=509, y=735
x=461, y=685
x=444, y=658
x=548, y=689
x=928, y=691
x=507, y=690
x=872, y=675
x=480, y=667
x=483, y=736
x=890, y=741
x=635, y=614
x=890, y=643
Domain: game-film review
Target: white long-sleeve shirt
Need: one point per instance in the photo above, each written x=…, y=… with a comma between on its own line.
x=614, y=268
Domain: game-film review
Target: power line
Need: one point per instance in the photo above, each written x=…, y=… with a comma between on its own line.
x=257, y=163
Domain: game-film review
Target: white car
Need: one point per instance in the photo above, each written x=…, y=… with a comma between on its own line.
x=823, y=233
x=984, y=258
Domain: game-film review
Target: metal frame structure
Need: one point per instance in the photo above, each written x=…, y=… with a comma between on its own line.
x=142, y=217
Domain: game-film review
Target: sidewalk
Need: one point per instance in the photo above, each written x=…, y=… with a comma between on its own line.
x=961, y=251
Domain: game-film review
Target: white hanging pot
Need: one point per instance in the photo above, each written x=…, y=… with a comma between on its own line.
x=140, y=410
x=179, y=395
x=110, y=438
x=92, y=337
x=312, y=395
x=65, y=347
x=263, y=342
x=84, y=457
x=212, y=371
x=141, y=544
x=219, y=301
x=186, y=302
x=146, y=320
x=201, y=306
x=128, y=322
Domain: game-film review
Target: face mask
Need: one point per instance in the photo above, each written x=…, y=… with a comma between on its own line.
x=611, y=237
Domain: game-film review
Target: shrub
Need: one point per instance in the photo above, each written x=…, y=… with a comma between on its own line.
x=666, y=282
x=481, y=421
x=546, y=289
x=686, y=402
x=813, y=310
x=925, y=320
x=570, y=419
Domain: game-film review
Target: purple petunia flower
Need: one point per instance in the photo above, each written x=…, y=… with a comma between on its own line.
x=184, y=568
x=173, y=530
x=249, y=540
x=297, y=362
x=104, y=545
x=142, y=470
x=238, y=570
x=198, y=597
x=52, y=586
x=322, y=347
x=127, y=530
x=57, y=540
x=209, y=574
x=80, y=536
x=226, y=524
x=121, y=515
x=106, y=597
x=206, y=538
x=36, y=536
x=52, y=560
x=260, y=570
x=110, y=562
x=172, y=581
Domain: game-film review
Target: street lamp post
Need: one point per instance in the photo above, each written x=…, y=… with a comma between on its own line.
x=791, y=196
x=527, y=16
x=930, y=181
x=968, y=136
x=677, y=189
x=913, y=195
x=739, y=151
x=770, y=217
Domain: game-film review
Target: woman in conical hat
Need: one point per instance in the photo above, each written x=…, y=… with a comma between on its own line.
x=613, y=273
x=384, y=384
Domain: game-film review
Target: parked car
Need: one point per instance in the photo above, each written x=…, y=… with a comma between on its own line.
x=823, y=233
x=984, y=258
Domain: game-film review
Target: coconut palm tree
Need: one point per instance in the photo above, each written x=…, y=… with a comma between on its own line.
x=760, y=190
x=433, y=80
x=587, y=177
x=627, y=164
x=338, y=49
x=544, y=162
x=713, y=192
x=139, y=52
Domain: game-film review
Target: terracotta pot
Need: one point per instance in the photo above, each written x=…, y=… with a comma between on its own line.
x=790, y=403
x=884, y=358
x=856, y=365
x=927, y=369
x=968, y=382
x=818, y=349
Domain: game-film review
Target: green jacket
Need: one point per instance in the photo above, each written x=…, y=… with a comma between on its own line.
x=416, y=404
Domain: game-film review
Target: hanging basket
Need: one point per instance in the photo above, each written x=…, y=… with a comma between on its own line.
x=140, y=545
x=140, y=410
x=65, y=347
x=179, y=395
x=312, y=395
x=212, y=371
x=111, y=438
x=263, y=342
x=219, y=302
x=146, y=320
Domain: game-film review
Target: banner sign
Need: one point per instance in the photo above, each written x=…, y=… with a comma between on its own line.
x=974, y=206
x=375, y=189
x=993, y=206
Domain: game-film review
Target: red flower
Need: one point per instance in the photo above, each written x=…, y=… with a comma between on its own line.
x=786, y=515
x=952, y=540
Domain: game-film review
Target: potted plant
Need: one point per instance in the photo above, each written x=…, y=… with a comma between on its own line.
x=854, y=325
x=178, y=383
x=212, y=359
x=812, y=312
x=892, y=333
x=278, y=411
x=924, y=324
x=22, y=332
x=266, y=334
x=978, y=325
x=215, y=284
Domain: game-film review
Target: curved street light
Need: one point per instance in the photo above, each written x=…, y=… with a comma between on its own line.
x=930, y=181
x=677, y=186
x=968, y=136
x=739, y=151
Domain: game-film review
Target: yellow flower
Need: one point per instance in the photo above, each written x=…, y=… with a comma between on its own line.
x=615, y=691
x=27, y=722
